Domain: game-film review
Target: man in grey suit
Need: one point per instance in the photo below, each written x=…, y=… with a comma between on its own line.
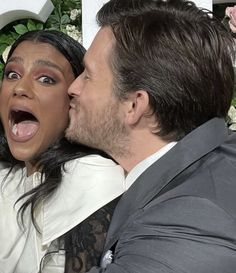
x=154, y=95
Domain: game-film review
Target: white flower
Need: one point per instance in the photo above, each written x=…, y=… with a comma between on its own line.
x=232, y=114
x=70, y=28
x=5, y=53
x=76, y=35
x=74, y=13
x=233, y=127
x=232, y=117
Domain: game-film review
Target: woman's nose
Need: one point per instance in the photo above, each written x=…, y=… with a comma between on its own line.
x=23, y=89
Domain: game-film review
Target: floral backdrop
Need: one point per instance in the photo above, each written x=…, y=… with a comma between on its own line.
x=227, y=13
x=67, y=17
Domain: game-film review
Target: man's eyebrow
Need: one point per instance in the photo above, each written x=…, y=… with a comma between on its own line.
x=85, y=64
x=49, y=64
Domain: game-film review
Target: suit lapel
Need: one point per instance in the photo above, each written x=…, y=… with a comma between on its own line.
x=162, y=173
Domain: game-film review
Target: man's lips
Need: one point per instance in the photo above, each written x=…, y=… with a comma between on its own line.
x=72, y=105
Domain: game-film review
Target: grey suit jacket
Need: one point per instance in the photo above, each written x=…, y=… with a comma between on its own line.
x=180, y=214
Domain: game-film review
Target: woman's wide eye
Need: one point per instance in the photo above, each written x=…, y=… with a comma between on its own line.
x=12, y=75
x=47, y=80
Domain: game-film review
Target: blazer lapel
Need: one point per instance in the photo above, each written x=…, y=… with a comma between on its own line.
x=161, y=174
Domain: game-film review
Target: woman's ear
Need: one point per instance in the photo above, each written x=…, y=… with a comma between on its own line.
x=137, y=106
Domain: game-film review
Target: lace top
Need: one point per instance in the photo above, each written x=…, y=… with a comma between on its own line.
x=84, y=243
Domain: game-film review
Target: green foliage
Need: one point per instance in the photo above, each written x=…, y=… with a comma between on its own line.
x=234, y=97
x=59, y=20
x=234, y=102
x=61, y=15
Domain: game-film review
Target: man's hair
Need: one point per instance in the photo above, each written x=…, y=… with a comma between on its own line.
x=180, y=54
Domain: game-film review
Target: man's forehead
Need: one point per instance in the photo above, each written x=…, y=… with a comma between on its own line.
x=104, y=39
x=101, y=45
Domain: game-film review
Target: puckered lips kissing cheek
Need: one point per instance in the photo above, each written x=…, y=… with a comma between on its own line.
x=23, y=124
x=73, y=106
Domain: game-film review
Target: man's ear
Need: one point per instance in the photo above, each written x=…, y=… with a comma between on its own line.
x=138, y=106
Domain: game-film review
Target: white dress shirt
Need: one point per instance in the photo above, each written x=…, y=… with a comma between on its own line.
x=131, y=178
x=144, y=164
x=88, y=184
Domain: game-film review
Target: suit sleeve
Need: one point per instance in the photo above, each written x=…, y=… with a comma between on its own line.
x=182, y=235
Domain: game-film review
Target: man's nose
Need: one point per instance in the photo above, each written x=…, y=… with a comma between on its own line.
x=75, y=87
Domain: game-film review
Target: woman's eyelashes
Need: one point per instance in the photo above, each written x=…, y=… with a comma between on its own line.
x=12, y=75
x=47, y=79
x=85, y=75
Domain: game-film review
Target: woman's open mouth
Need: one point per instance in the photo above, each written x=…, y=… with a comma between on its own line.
x=23, y=124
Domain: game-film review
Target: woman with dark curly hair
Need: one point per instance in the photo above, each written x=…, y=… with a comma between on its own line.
x=56, y=197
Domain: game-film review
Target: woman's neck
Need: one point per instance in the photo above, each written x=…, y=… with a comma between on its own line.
x=31, y=168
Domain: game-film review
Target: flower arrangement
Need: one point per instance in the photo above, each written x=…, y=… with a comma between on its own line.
x=65, y=17
x=230, y=15
x=232, y=118
x=230, y=12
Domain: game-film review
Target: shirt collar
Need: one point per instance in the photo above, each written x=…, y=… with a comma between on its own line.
x=144, y=164
x=85, y=188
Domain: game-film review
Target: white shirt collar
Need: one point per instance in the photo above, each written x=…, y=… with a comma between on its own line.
x=88, y=184
x=144, y=164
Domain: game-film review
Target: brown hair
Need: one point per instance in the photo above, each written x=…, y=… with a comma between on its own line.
x=181, y=55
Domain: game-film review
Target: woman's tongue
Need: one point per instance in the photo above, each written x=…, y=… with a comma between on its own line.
x=25, y=129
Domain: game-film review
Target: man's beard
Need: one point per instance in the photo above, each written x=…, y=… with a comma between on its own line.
x=104, y=131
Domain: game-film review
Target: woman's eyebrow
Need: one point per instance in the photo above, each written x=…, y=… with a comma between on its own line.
x=15, y=59
x=48, y=64
x=42, y=62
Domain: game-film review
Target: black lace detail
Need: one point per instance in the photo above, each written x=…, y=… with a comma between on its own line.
x=84, y=243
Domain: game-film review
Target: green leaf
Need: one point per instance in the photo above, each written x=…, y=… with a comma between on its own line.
x=233, y=102
x=13, y=36
x=1, y=69
x=2, y=48
x=5, y=39
x=20, y=29
x=39, y=26
x=49, y=24
x=55, y=18
x=65, y=19
x=71, y=4
x=31, y=25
